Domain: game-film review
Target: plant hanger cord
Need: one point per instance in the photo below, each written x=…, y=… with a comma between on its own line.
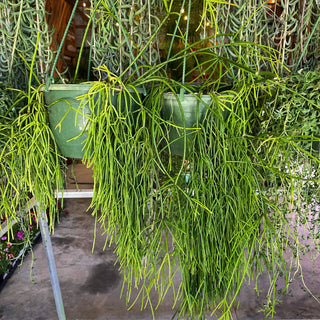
x=91, y=20
x=184, y=55
x=91, y=43
x=174, y=33
x=39, y=46
x=50, y=79
x=120, y=38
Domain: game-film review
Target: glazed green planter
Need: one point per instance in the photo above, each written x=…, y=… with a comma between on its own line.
x=187, y=114
x=71, y=134
x=75, y=123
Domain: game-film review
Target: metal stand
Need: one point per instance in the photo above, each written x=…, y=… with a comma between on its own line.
x=86, y=193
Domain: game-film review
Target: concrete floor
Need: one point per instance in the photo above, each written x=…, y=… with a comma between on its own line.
x=91, y=285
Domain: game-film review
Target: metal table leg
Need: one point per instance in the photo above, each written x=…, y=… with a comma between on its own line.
x=51, y=263
x=48, y=245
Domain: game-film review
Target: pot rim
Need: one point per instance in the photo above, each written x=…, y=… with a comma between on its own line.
x=187, y=96
x=79, y=86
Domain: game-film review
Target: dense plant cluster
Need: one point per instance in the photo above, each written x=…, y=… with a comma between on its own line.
x=294, y=108
x=19, y=24
x=14, y=243
x=245, y=188
x=290, y=129
x=122, y=34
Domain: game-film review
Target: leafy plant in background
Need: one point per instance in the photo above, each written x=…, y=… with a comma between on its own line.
x=294, y=108
x=6, y=102
x=290, y=27
x=290, y=127
x=122, y=32
x=20, y=23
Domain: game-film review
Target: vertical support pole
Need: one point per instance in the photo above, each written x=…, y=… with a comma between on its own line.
x=51, y=263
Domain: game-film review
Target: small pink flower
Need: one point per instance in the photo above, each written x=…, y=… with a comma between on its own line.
x=10, y=255
x=9, y=244
x=4, y=238
x=20, y=235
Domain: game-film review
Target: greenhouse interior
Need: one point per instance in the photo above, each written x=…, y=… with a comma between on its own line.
x=159, y=159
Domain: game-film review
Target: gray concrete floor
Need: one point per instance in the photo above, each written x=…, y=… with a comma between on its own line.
x=91, y=284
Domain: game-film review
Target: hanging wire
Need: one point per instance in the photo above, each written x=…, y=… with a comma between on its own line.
x=91, y=43
x=185, y=46
x=50, y=79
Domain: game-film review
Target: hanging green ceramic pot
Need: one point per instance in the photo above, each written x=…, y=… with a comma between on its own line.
x=183, y=114
x=68, y=117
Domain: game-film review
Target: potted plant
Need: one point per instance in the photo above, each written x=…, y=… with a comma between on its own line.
x=203, y=73
x=210, y=204
x=23, y=31
x=206, y=215
x=126, y=51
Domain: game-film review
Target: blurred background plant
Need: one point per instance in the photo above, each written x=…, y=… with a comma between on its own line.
x=20, y=23
x=17, y=241
x=290, y=27
x=290, y=132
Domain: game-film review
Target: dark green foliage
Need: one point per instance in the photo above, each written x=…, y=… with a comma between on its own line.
x=294, y=109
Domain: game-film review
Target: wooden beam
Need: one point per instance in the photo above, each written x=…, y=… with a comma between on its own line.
x=83, y=16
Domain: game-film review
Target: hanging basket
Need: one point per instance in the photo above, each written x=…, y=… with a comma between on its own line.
x=68, y=117
x=69, y=114
x=184, y=114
